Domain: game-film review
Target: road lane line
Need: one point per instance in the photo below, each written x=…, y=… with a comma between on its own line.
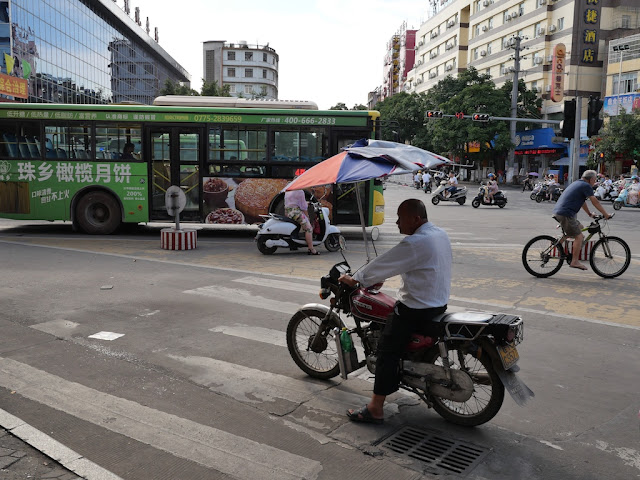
x=236, y=456
x=244, y=297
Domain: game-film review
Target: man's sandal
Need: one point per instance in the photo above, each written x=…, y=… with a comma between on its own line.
x=363, y=416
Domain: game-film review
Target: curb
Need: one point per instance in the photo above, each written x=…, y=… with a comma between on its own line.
x=42, y=442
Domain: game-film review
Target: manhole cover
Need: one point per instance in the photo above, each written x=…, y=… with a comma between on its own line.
x=434, y=450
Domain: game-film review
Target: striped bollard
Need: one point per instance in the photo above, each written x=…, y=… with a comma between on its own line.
x=172, y=239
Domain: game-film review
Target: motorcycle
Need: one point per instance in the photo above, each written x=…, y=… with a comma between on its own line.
x=499, y=199
x=605, y=192
x=536, y=189
x=281, y=231
x=427, y=186
x=623, y=201
x=461, y=371
x=460, y=195
x=549, y=192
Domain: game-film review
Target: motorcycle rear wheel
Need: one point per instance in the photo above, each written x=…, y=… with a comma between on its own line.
x=301, y=330
x=461, y=200
x=488, y=391
x=262, y=247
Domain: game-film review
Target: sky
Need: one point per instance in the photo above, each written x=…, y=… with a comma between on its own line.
x=330, y=51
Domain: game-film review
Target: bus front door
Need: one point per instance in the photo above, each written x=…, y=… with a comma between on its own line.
x=175, y=160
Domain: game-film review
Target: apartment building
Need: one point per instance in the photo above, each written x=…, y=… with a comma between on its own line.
x=250, y=70
x=480, y=33
x=399, y=60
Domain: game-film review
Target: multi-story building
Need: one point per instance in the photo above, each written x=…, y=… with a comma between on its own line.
x=251, y=71
x=398, y=61
x=463, y=33
x=81, y=51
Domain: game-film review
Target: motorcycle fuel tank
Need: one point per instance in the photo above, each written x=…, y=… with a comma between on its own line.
x=372, y=307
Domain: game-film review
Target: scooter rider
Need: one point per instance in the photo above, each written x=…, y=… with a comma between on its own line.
x=423, y=260
x=492, y=187
x=453, y=181
x=295, y=207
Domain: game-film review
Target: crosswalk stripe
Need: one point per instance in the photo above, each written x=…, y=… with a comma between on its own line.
x=236, y=456
x=244, y=297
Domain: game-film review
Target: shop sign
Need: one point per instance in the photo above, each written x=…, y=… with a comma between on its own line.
x=13, y=86
x=557, y=68
x=590, y=27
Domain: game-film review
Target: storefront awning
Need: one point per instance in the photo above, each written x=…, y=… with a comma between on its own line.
x=564, y=162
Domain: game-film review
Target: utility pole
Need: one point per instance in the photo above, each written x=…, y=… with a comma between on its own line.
x=515, y=44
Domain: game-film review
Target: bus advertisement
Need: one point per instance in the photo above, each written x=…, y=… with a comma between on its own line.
x=103, y=165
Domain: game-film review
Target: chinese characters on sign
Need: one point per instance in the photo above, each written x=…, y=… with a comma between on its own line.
x=557, y=72
x=75, y=172
x=589, y=36
x=13, y=86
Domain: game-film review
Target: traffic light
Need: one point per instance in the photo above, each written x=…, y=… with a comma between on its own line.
x=594, y=122
x=480, y=117
x=434, y=114
x=459, y=115
x=568, y=124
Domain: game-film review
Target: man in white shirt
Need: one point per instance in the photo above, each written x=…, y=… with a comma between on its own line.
x=417, y=179
x=426, y=179
x=453, y=182
x=423, y=260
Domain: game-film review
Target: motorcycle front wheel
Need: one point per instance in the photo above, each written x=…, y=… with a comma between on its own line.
x=533, y=196
x=435, y=199
x=475, y=203
x=488, y=391
x=302, y=329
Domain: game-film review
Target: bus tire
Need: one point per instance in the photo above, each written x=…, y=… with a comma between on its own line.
x=98, y=213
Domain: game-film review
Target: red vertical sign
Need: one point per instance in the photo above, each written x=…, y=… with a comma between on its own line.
x=557, y=71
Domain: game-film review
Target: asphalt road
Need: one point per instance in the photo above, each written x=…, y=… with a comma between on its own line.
x=196, y=380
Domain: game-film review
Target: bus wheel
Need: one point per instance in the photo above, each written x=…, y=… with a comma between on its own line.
x=98, y=213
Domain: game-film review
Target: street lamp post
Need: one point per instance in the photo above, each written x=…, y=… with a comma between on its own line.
x=621, y=49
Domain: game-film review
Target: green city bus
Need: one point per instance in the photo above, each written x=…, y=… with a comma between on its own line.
x=68, y=162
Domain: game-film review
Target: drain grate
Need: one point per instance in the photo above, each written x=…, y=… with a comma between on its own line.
x=435, y=451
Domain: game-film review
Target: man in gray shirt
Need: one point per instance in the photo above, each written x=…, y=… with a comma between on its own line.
x=423, y=260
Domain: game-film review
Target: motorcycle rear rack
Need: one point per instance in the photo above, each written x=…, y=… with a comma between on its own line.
x=465, y=331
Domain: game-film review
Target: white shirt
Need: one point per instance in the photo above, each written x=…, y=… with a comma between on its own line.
x=423, y=261
x=453, y=181
x=426, y=177
x=418, y=177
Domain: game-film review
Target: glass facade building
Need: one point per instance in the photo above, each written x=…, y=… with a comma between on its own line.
x=82, y=51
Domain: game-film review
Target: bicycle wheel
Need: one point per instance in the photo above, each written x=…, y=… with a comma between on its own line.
x=542, y=257
x=610, y=257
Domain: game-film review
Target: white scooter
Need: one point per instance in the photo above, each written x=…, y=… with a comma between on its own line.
x=459, y=196
x=280, y=231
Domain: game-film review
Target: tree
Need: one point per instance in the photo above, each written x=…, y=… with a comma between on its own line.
x=619, y=136
x=529, y=104
x=339, y=106
x=212, y=89
x=360, y=107
x=403, y=118
x=171, y=88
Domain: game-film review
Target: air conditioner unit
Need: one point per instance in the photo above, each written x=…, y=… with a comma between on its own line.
x=450, y=24
x=449, y=68
x=542, y=2
x=508, y=17
x=420, y=62
x=448, y=46
x=549, y=58
x=511, y=69
x=552, y=28
x=421, y=43
x=485, y=3
x=434, y=34
x=540, y=31
x=538, y=60
x=514, y=15
x=484, y=28
x=483, y=53
x=547, y=88
x=432, y=75
x=505, y=44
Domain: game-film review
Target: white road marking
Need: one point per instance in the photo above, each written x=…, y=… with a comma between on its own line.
x=106, y=335
x=233, y=455
x=257, y=334
x=282, y=284
x=246, y=298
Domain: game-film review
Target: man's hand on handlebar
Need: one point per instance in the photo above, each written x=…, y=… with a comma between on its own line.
x=347, y=280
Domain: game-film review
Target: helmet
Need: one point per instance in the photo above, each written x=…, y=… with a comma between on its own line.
x=491, y=175
x=634, y=177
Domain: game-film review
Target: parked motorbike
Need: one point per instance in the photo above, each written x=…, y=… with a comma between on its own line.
x=499, y=199
x=281, y=231
x=623, y=201
x=460, y=195
x=551, y=193
x=461, y=371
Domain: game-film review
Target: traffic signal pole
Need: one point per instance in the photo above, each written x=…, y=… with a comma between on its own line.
x=514, y=102
x=574, y=146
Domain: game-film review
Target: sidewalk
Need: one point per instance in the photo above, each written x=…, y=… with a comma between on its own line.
x=19, y=461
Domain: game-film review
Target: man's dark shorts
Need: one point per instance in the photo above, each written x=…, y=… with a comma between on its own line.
x=571, y=226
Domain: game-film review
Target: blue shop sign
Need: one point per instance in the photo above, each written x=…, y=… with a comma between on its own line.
x=627, y=101
x=537, y=142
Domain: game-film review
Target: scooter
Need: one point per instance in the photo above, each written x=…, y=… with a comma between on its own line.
x=603, y=192
x=499, y=198
x=623, y=201
x=549, y=192
x=460, y=195
x=280, y=231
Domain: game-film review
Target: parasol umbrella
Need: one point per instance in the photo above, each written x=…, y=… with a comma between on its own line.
x=365, y=160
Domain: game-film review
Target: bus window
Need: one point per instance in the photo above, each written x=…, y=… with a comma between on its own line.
x=230, y=148
x=300, y=144
x=20, y=140
x=255, y=141
x=111, y=139
x=63, y=142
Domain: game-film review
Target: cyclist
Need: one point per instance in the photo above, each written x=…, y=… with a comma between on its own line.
x=566, y=211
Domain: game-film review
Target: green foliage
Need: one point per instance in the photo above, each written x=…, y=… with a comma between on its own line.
x=208, y=89
x=619, y=135
x=212, y=89
x=339, y=106
x=403, y=114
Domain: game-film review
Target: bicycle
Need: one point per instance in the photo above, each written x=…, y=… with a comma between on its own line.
x=544, y=255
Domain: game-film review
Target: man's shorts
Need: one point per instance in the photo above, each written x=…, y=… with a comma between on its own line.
x=571, y=226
